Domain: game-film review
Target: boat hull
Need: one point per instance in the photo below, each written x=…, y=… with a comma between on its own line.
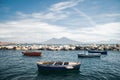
x=52, y=68
x=32, y=53
x=95, y=51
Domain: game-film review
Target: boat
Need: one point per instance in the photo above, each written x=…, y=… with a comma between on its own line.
x=97, y=51
x=32, y=53
x=89, y=55
x=58, y=66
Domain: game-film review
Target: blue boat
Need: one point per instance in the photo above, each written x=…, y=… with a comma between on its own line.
x=97, y=51
x=58, y=66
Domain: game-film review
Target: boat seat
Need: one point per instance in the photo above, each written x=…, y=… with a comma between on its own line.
x=58, y=63
x=66, y=63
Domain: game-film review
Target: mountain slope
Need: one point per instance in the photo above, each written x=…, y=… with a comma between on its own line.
x=62, y=40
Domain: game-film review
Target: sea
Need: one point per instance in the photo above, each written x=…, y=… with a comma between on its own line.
x=15, y=66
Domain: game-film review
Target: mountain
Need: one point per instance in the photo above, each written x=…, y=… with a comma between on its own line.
x=62, y=40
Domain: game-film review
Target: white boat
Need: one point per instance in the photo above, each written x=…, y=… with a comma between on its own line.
x=89, y=55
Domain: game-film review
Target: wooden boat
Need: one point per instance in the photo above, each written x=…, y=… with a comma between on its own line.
x=58, y=66
x=89, y=55
x=32, y=53
x=97, y=51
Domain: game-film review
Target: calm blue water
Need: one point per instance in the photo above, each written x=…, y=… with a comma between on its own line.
x=15, y=66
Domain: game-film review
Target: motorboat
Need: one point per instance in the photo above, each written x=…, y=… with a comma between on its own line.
x=89, y=55
x=58, y=66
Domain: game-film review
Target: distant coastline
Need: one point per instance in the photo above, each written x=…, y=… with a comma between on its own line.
x=7, y=43
x=58, y=47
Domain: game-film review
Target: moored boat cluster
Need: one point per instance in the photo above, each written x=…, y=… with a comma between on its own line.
x=53, y=66
x=61, y=47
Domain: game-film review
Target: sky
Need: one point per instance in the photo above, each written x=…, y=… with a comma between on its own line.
x=40, y=20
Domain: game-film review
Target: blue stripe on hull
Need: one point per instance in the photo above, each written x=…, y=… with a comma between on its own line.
x=93, y=51
x=52, y=68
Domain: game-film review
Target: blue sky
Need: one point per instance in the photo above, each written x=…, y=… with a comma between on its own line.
x=40, y=20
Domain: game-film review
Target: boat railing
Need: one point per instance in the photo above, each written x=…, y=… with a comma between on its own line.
x=63, y=63
x=60, y=63
x=54, y=63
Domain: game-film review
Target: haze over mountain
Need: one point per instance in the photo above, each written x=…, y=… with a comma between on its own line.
x=62, y=40
x=112, y=41
x=65, y=40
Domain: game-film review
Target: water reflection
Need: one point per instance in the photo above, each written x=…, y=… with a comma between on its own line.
x=57, y=75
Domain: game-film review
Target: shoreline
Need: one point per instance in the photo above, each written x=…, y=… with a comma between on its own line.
x=115, y=47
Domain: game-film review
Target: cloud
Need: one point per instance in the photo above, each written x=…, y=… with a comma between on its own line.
x=86, y=16
x=105, y=18
x=35, y=31
x=37, y=26
x=55, y=12
x=106, y=31
x=110, y=15
x=64, y=5
x=30, y=30
x=52, y=16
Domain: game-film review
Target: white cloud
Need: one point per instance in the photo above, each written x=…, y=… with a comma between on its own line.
x=30, y=30
x=35, y=31
x=110, y=15
x=53, y=16
x=79, y=12
x=54, y=13
x=64, y=5
x=33, y=28
x=106, y=17
x=108, y=29
x=50, y=15
x=99, y=32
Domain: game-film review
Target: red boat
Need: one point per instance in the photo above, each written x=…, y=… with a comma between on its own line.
x=32, y=53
